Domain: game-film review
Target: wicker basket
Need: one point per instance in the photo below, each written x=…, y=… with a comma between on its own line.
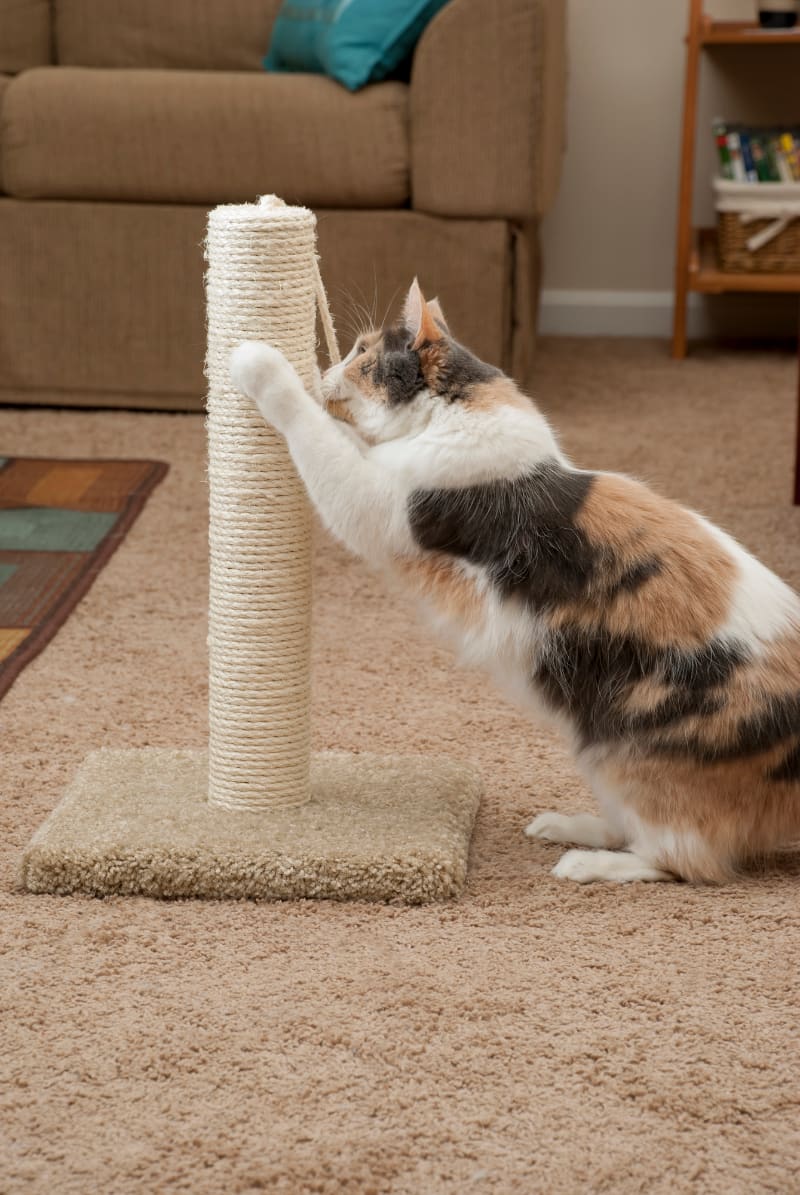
x=758, y=227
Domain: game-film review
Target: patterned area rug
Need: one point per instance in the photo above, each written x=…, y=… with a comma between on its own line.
x=60, y=521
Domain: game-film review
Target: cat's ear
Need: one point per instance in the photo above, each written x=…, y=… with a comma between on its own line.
x=435, y=308
x=418, y=318
x=412, y=308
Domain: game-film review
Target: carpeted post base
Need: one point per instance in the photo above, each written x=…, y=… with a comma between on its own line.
x=378, y=828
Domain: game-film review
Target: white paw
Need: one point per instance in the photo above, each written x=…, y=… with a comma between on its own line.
x=253, y=365
x=550, y=826
x=616, y=867
x=263, y=373
x=580, y=866
x=582, y=829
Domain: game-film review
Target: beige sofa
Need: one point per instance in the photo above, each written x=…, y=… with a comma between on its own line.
x=121, y=124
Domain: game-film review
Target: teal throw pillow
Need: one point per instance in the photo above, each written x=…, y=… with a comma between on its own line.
x=354, y=41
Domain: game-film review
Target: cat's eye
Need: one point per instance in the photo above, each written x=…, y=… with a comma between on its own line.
x=361, y=347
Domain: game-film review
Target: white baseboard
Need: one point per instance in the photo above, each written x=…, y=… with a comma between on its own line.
x=649, y=313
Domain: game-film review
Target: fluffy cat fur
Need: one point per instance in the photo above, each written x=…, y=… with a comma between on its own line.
x=667, y=654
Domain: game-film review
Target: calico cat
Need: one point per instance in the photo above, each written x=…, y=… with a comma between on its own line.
x=668, y=655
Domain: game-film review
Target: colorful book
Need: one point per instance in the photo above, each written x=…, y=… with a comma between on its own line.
x=790, y=155
x=757, y=155
x=747, y=157
x=720, y=136
x=760, y=159
x=784, y=169
x=771, y=148
x=737, y=163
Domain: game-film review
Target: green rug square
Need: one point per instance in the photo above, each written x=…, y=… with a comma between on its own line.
x=48, y=529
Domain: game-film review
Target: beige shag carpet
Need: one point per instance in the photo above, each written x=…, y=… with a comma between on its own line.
x=533, y=1037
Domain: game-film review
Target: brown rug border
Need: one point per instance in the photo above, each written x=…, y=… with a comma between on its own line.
x=40, y=636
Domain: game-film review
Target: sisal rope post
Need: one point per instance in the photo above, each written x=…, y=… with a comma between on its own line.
x=262, y=284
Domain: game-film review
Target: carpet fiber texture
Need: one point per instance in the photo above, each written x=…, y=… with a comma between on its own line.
x=60, y=521
x=534, y=1036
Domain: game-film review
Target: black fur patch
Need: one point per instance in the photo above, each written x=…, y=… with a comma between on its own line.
x=636, y=575
x=789, y=768
x=777, y=721
x=591, y=674
x=522, y=531
x=459, y=370
x=398, y=369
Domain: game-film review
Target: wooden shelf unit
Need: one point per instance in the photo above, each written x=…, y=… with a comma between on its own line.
x=745, y=33
x=696, y=262
x=696, y=266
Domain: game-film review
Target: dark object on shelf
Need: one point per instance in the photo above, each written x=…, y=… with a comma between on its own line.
x=777, y=14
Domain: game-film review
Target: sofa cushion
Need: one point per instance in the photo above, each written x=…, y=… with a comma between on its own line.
x=230, y=35
x=203, y=137
x=25, y=37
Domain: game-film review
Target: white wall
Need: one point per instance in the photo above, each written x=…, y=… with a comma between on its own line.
x=608, y=243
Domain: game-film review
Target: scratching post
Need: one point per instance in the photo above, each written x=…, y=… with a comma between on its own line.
x=258, y=815
x=260, y=286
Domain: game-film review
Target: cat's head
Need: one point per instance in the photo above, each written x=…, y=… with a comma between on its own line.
x=394, y=380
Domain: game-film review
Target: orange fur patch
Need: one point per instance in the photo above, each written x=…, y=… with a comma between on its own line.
x=428, y=331
x=682, y=604
x=340, y=410
x=440, y=580
x=431, y=359
x=778, y=670
x=363, y=381
x=646, y=696
x=499, y=392
x=435, y=308
x=732, y=810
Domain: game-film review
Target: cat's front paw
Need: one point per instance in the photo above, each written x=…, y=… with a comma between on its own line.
x=616, y=867
x=263, y=374
x=254, y=365
x=549, y=826
x=580, y=866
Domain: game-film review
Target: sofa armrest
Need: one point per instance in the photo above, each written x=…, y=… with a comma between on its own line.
x=487, y=109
